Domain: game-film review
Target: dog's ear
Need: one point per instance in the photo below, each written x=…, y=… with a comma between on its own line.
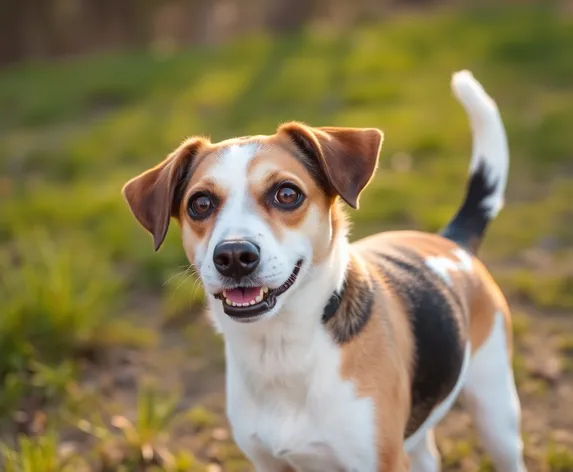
x=346, y=156
x=153, y=195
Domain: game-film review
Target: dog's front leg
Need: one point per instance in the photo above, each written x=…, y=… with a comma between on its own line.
x=391, y=454
x=395, y=461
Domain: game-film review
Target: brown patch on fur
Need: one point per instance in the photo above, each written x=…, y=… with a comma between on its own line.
x=339, y=224
x=487, y=301
x=379, y=359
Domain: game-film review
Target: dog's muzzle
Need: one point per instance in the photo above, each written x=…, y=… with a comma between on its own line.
x=248, y=303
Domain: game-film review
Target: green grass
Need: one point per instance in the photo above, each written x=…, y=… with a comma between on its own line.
x=73, y=260
x=145, y=438
x=40, y=454
x=559, y=458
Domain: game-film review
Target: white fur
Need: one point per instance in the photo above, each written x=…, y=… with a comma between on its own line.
x=492, y=398
x=489, y=138
x=442, y=265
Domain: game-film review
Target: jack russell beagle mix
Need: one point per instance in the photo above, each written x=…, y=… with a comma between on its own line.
x=342, y=357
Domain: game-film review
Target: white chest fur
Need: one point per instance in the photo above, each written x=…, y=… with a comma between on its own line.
x=287, y=404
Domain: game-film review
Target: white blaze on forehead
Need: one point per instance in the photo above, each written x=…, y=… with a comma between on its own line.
x=230, y=169
x=230, y=173
x=443, y=265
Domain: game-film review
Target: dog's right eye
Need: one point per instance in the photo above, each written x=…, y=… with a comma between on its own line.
x=200, y=206
x=288, y=197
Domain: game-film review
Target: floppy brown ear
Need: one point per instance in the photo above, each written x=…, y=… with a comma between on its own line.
x=347, y=156
x=152, y=195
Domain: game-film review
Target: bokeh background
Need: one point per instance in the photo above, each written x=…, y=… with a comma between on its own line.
x=106, y=360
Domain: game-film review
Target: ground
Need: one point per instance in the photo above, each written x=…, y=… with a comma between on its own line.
x=105, y=355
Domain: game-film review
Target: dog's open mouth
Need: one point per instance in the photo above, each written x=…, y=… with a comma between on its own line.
x=244, y=303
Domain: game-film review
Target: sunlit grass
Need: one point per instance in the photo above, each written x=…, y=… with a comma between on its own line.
x=146, y=436
x=59, y=300
x=40, y=454
x=55, y=296
x=141, y=442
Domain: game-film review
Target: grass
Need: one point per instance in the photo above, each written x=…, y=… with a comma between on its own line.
x=559, y=458
x=73, y=261
x=41, y=454
x=145, y=440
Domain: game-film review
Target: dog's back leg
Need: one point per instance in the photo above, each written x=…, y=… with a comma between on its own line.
x=492, y=399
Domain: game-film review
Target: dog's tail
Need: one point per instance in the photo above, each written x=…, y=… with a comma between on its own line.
x=488, y=168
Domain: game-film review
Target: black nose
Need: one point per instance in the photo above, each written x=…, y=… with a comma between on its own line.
x=236, y=258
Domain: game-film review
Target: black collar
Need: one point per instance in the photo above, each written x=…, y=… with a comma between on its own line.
x=332, y=305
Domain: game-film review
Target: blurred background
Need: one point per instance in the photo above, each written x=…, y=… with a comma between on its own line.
x=106, y=360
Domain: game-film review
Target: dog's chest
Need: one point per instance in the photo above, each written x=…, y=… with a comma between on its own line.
x=293, y=405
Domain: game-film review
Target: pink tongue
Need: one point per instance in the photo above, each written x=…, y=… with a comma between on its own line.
x=243, y=295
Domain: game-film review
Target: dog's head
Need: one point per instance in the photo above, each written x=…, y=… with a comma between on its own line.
x=254, y=211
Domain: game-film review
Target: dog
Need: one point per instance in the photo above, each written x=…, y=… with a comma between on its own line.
x=339, y=356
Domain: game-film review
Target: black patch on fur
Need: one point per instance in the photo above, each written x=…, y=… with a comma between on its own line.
x=468, y=226
x=438, y=325
x=350, y=311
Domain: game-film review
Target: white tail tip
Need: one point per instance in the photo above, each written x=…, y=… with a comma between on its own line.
x=489, y=138
x=471, y=93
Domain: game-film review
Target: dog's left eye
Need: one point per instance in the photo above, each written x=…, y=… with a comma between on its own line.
x=288, y=197
x=200, y=206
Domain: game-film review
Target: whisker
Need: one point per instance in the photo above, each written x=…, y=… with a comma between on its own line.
x=185, y=279
x=178, y=274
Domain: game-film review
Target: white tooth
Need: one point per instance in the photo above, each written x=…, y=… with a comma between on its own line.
x=235, y=304
x=253, y=302
x=229, y=302
x=266, y=289
x=245, y=304
x=259, y=299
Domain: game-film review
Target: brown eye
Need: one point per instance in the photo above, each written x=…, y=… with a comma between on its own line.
x=288, y=197
x=200, y=206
